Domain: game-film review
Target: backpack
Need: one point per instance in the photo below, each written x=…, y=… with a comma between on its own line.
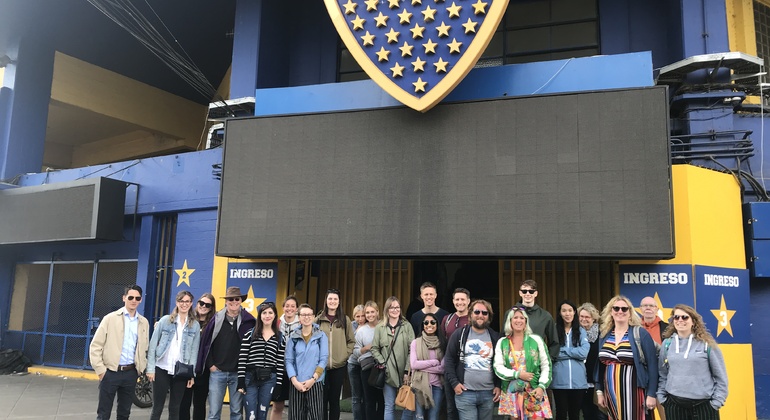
x=638, y=341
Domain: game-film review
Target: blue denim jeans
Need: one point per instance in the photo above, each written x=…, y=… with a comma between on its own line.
x=475, y=405
x=219, y=382
x=390, y=405
x=356, y=391
x=430, y=413
x=258, y=395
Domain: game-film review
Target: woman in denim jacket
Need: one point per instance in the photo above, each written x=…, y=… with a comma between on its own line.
x=175, y=339
x=307, y=355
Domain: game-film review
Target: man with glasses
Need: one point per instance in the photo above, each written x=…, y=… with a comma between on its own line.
x=540, y=320
x=650, y=319
x=118, y=354
x=219, y=348
x=468, y=365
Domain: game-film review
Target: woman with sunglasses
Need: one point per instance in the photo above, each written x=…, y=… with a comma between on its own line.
x=286, y=324
x=693, y=378
x=261, y=362
x=626, y=386
x=523, y=364
x=307, y=355
x=391, y=342
x=569, y=370
x=373, y=400
x=426, y=357
x=337, y=327
x=176, y=339
x=196, y=396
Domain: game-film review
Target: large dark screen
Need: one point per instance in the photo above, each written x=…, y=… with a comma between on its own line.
x=569, y=175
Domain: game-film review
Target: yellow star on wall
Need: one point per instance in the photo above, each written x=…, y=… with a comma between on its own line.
x=417, y=31
x=441, y=65
x=381, y=20
x=443, y=30
x=723, y=316
x=398, y=70
x=454, y=46
x=251, y=303
x=184, y=274
x=404, y=17
x=430, y=47
x=406, y=50
x=416, y=2
x=393, y=4
x=419, y=85
x=454, y=10
x=382, y=54
x=350, y=7
x=429, y=14
x=418, y=64
x=358, y=23
x=371, y=5
x=470, y=26
x=392, y=36
x=368, y=39
x=478, y=8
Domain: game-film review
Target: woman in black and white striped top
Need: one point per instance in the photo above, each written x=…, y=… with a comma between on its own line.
x=261, y=362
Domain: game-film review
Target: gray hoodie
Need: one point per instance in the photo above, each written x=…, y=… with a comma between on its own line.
x=691, y=369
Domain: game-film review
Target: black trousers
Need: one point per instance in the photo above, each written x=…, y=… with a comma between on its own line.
x=306, y=405
x=590, y=410
x=332, y=390
x=568, y=402
x=121, y=383
x=163, y=382
x=678, y=408
x=374, y=400
x=196, y=397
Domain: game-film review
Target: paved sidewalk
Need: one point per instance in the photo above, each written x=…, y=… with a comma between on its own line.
x=36, y=396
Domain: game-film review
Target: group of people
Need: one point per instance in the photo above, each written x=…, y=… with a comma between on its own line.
x=612, y=364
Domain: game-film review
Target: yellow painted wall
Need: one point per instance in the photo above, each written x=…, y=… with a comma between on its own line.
x=740, y=371
x=219, y=281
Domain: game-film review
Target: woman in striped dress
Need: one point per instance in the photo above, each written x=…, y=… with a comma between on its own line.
x=626, y=386
x=261, y=362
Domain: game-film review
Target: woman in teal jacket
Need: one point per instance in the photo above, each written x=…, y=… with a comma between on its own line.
x=176, y=339
x=307, y=354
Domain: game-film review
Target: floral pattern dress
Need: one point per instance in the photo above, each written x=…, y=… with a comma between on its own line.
x=520, y=401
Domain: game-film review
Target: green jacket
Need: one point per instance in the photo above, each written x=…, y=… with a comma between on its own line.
x=341, y=343
x=536, y=357
x=398, y=363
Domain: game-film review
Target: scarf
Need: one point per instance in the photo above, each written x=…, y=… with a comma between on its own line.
x=420, y=379
x=593, y=332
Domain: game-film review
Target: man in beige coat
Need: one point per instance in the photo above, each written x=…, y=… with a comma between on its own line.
x=118, y=354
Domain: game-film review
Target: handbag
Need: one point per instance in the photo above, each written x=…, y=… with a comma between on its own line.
x=367, y=363
x=262, y=374
x=405, y=397
x=183, y=370
x=379, y=373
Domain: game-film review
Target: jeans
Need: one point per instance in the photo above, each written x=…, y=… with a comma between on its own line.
x=430, y=413
x=373, y=398
x=475, y=405
x=219, y=382
x=390, y=404
x=332, y=389
x=123, y=384
x=356, y=391
x=258, y=394
x=164, y=381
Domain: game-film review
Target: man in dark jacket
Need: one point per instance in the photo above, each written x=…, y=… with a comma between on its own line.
x=540, y=320
x=468, y=365
x=220, y=344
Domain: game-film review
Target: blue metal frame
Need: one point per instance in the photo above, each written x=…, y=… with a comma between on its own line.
x=47, y=308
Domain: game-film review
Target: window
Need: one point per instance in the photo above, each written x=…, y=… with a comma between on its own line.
x=531, y=30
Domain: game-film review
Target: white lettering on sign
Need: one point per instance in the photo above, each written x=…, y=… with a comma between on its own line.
x=251, y=273
x=720, y=280
x=655, y=278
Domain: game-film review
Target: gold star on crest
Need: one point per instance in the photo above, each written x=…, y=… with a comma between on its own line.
x=382, y=54
x=723, y=316
x=184, y=274
x=418, y=65
x=417, y=31
x=393, y=4
x=478, y=8
x=404, y=17
x=430, y=47
x=416, y=2
x=470, y=26
x=454, y=46
x=429, y=15
x=392, y=36
x=398, y=70
x=371, y=5
x=454, y=10
x=443, y=30
x=406, y=50
x=440, y=65
x=419, y=85
x=382, y=20
x=368, y=39
x=350, y=7
x=358, y=23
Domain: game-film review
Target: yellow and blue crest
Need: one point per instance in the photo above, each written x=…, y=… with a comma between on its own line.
x=416, y=50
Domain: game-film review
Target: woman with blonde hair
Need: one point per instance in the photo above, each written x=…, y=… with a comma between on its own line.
x=627, y=386
x=588, y=317
x=354, y=368
x=373, y=398
x=175, y=340
x=693, y=378
x=393, y=335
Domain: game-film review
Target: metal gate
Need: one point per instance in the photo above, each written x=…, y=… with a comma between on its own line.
x=56, y=307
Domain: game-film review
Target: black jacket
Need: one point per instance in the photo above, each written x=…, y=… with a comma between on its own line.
x=454, y=362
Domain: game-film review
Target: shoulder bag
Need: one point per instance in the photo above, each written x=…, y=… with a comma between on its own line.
x=379, y=373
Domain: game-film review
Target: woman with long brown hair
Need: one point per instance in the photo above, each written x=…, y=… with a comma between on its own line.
x=333, y=322
x=196, y=396
x=693, y=378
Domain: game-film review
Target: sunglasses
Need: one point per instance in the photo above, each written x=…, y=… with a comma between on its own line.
x=204, y=304
x=682, y=317
x=234, y=299
x=623, y=309
x=479, y=312
x=527, y=291
x=136, y=298
x=264, y=305
x=335, y=291
x=429, y=322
